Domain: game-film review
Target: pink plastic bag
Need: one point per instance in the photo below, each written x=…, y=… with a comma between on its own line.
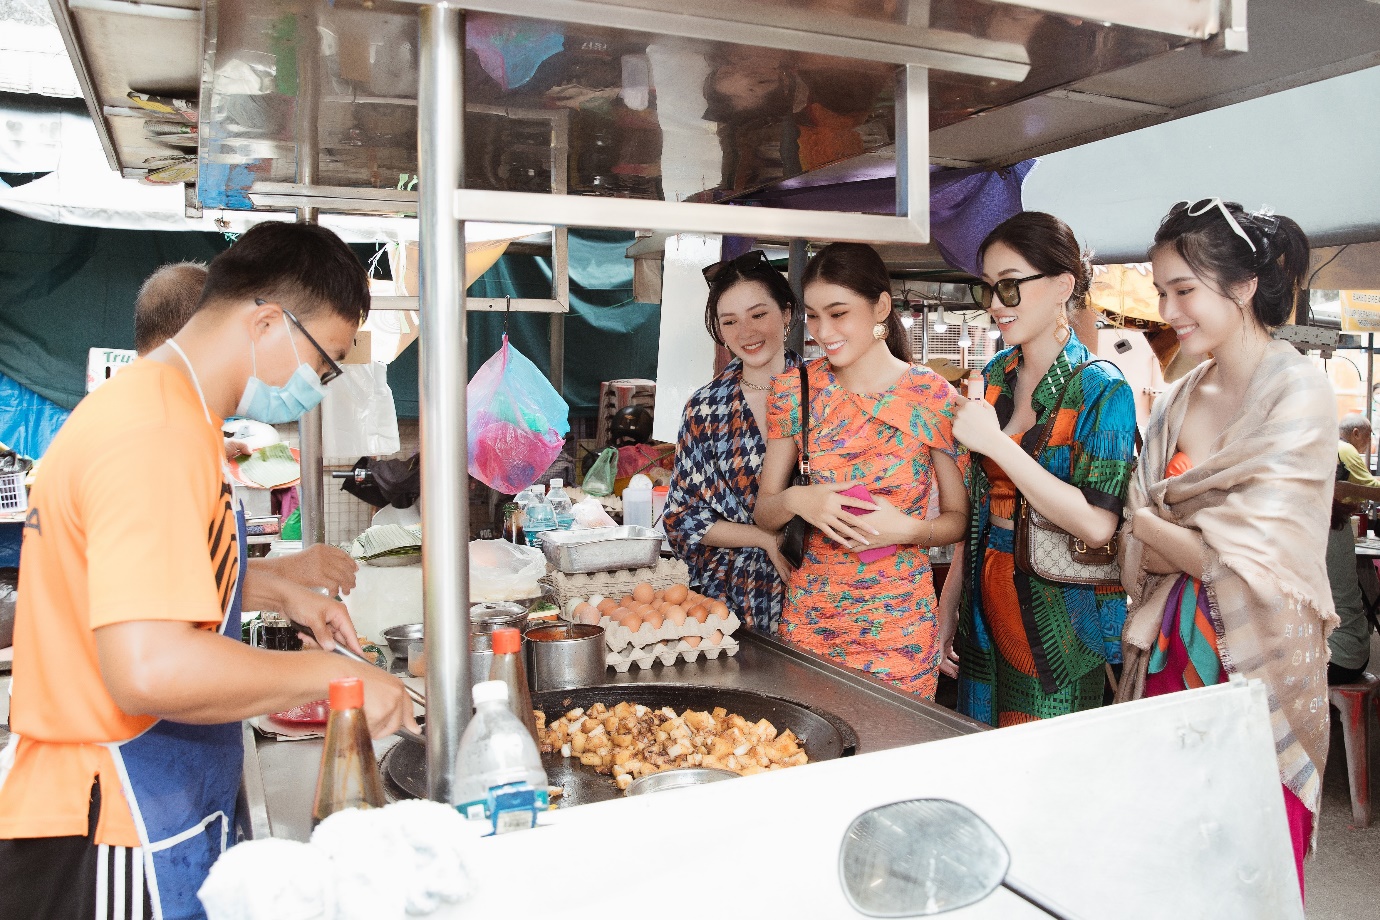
x=517, y=422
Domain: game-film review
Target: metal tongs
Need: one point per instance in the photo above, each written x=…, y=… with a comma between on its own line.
x=416, y=695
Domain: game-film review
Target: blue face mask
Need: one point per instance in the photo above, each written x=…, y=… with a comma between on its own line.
x=279, y=405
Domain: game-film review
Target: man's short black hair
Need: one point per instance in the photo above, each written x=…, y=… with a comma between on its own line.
x=302, y=267
x=167, y=299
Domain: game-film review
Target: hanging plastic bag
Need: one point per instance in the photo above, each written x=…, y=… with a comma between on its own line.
x=357, y=415
x=599, y=479
x=517, y=422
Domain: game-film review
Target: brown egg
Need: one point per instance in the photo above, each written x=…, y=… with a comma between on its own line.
x=632, y=622
x=608, y=605
x=699, y=614
x=692, y=641
x=580, y=609
x=675, y=615
x=654, y=618
x=588, y=616
x=716, y=637
x=718, y=609
x=676, y=594
x=644, y=593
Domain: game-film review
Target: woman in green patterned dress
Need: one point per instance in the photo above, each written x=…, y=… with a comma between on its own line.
x=1024, y=648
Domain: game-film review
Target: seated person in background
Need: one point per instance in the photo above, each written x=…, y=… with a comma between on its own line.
x=1349, y=643
x=1354, y=431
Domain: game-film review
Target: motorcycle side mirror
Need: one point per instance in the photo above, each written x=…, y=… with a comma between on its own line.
x=924, y=857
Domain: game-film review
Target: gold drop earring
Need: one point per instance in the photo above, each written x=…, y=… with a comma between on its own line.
x=1061, y=329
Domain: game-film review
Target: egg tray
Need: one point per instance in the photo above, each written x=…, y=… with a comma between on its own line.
x=619, y=637
x=668, y=653
x=664, y=574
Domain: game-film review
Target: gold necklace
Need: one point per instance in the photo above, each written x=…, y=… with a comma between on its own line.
x=755, y=386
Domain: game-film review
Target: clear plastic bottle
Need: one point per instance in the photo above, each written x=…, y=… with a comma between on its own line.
x=538, y=519
x=637, y=502
x=508, y=667
x=499, y=777
x=349, y=776
x=561, y=505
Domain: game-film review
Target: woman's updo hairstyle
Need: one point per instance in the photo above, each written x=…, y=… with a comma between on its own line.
x=1048, y=244
x=1214, y=250
x=733, y=274
x=858, y=267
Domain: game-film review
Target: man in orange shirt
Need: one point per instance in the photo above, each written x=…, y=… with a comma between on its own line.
x=129, y=679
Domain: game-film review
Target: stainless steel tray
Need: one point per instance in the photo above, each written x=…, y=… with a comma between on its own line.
x=602, y=549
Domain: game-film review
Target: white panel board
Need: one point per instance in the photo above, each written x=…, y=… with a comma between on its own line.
x=685, y=355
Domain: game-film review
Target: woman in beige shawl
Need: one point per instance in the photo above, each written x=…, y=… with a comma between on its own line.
x=1224, y=562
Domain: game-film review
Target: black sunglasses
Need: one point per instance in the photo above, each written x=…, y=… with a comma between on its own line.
x=1008, y=291
x=333, y=370
x=748, y=261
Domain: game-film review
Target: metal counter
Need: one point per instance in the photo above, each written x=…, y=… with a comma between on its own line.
x=283, y=773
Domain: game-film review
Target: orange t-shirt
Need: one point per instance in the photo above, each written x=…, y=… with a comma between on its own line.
x=129, y=519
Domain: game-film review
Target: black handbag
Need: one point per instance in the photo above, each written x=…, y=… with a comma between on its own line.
x=797, y=529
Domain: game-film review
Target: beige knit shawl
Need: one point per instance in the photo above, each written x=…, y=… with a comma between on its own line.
x=1261, y=503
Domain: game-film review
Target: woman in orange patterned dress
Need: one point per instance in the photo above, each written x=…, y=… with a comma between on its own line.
x=878, y=422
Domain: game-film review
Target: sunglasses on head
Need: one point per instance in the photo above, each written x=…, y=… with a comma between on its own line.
x=1198, y=208
x=748, y=261
x=333, y=370
x=1008, y=291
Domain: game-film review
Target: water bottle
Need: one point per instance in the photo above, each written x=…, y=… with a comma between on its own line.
x=561, y=506
x=499, y=777
x=538, y=519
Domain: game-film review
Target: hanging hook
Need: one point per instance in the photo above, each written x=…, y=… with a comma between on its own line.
x=507, y=309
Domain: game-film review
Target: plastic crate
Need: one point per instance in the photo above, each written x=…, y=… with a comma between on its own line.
x=13, y=496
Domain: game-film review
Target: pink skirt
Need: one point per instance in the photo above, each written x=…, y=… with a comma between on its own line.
x=1171, y=680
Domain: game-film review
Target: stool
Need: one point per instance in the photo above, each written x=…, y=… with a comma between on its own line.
x=1354, y=702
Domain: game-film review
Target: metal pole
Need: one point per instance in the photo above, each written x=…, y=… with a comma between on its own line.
x=560, y=291
x=1370, y=387
x=795, y=274
x=312, y=489
x=445, y=479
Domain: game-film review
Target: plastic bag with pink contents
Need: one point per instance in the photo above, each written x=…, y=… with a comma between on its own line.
x=517, y=422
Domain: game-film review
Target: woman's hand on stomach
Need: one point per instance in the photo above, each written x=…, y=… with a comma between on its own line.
x=823, y=507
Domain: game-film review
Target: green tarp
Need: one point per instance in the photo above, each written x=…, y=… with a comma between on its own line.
x=608, y=335
x=65, y=290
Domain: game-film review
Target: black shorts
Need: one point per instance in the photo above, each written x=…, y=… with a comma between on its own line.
x=72, y=878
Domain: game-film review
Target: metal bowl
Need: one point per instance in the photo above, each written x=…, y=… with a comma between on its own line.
x=675, y=779
x=397, y=637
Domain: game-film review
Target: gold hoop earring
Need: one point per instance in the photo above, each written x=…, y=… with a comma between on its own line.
x=879, y=331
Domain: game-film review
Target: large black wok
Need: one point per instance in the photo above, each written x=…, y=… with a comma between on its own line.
x=823, y=735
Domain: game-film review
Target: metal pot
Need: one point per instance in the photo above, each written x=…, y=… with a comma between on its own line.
x=561, y=656
x=484, y=619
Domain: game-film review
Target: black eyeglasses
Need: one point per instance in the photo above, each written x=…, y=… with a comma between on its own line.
x=333, y=370
x=1008, y=291
x=748, y=261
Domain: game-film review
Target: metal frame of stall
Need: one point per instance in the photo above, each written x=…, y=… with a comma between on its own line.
x=443, y=205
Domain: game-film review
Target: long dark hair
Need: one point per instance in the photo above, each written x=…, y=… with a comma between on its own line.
x=1048, y=244
x=1212, y=248
x=858, y=267
x=732, y=275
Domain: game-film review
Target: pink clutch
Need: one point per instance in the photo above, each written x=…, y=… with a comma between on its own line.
x=871, y=553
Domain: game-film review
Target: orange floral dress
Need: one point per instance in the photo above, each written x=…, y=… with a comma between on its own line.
x=880, y=616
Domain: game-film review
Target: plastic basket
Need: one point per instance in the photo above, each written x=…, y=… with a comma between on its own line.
x=13, y=496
